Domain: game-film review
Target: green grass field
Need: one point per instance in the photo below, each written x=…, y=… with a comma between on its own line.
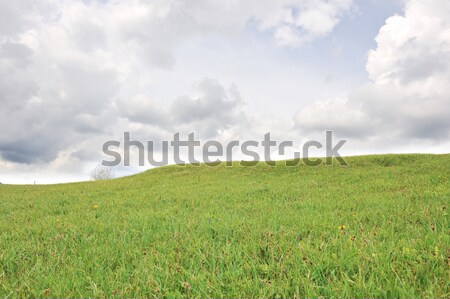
x=378, y=228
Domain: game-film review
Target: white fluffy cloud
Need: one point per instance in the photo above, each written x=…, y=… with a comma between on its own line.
x=68, y=69
x=303, y=21
x=410, y=72
x=210, y=109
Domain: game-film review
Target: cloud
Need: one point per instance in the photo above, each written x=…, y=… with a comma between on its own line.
x=308, y=20
x=208, y=111
x=13, y=20
x=211, y=109
x=410, y=72
x=67, y=67
x=341, y=114
x=142, y=109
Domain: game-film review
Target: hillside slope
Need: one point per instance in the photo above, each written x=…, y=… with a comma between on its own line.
x=379, y=228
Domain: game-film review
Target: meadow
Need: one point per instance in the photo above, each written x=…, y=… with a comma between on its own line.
x=378, y=228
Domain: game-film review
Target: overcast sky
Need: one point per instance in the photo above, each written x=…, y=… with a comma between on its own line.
x=74, y=74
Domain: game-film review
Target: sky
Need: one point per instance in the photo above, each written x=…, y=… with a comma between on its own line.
x=75, y=74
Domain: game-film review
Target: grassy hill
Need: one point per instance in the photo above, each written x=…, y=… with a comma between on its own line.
x=378, y=228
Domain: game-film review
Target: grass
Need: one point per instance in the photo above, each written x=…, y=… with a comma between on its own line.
x=379, y=228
